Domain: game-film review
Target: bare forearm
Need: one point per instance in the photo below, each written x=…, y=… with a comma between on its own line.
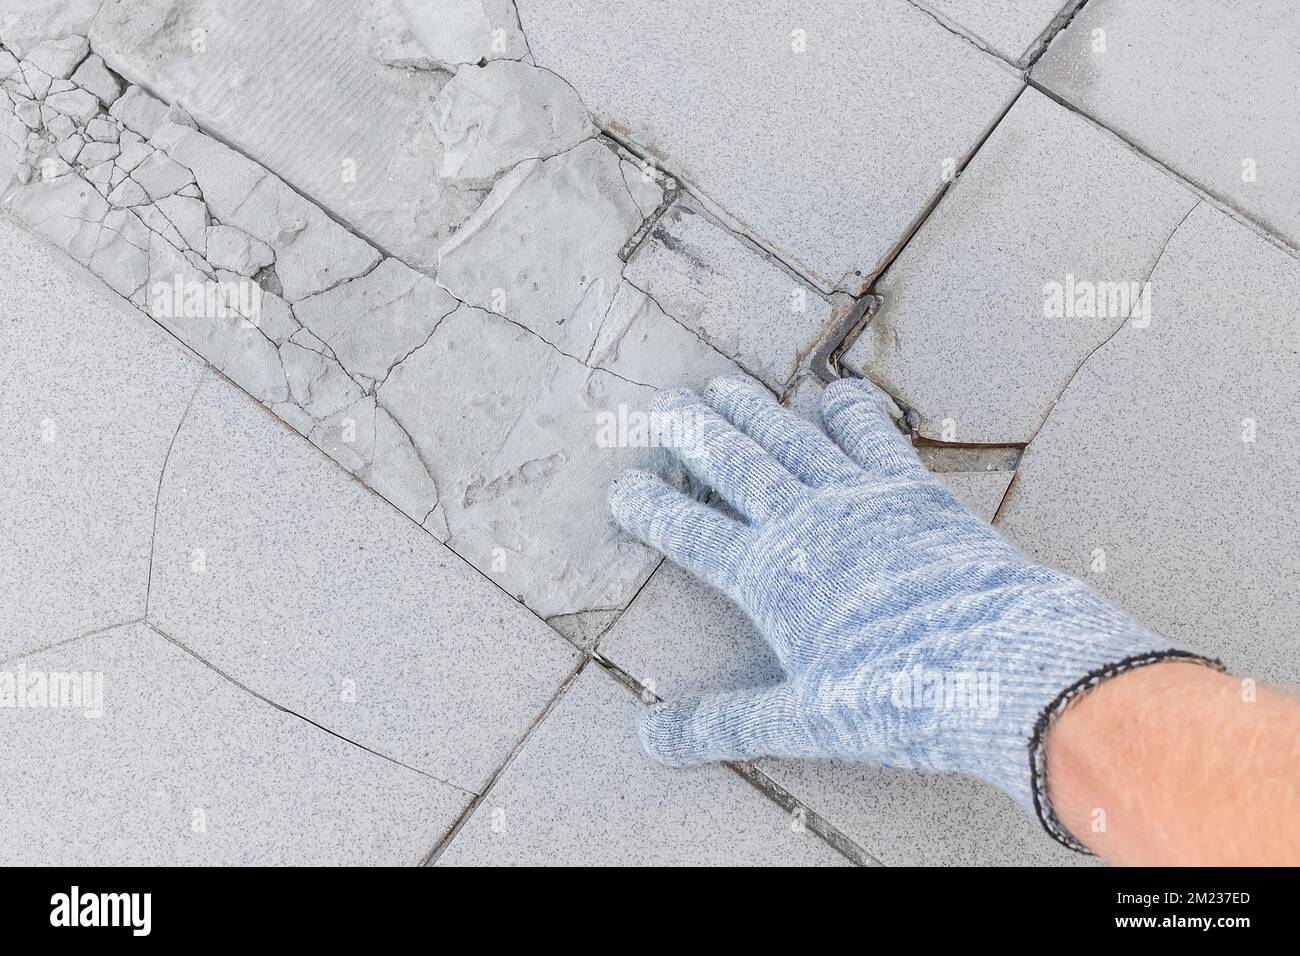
x=1176, y=763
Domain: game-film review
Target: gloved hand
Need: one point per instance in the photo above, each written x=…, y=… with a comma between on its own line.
x=912, y=635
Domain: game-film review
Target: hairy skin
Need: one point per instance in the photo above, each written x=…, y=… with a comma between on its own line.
x=1176, y=764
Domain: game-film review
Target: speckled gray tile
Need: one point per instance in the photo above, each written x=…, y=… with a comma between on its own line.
x=1010, y=28
x=681, y=637
x=92, y=394
x=182, y=767
x=1208, y=88
x=974, y=332
x=728, y=293
x=582, y=792
x=275, y=566
x=1166, y=473
x=720, y=94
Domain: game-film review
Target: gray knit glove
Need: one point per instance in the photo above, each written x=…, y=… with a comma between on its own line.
x=911, y=634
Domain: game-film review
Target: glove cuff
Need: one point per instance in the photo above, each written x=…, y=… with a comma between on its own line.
x=1038, y=741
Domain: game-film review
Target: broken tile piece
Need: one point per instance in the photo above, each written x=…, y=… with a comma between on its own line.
x=491, y=117
x=190, y=219
x=1193, y=417
x=236, y=250
x=560, y=222
x=288, y=537
x=1196, y=107
x=992, y=305
x=93, y=77
x=95, y=153
x=160, y=175
x=138, y=111
x=375, y=321
x=59, y=58
x=318, y=385
x=102, y=130
x=729, y=293
x=644, y=187
x=733, y=118
x=128, y=193
x=191, y=769
x=524, y=463
x=76, y=104
x=655, y=815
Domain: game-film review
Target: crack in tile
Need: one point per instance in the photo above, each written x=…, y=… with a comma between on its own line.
x=293, y=713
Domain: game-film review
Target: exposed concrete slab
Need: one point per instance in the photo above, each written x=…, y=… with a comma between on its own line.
x=557, y=804
x=543, y=248
x=830, y=188
x=354, y=137
x=986, y=312
x=1166, y=473
x=524, y=461
x=1199, y=85
x=93, y=396
x=275, y=567
x=186, y=768
x=727, y=292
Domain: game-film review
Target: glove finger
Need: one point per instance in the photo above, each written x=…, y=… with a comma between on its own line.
x=726, y=459
x=740, y=726
x=796, y=443
x=856, y=416
x=699, y=538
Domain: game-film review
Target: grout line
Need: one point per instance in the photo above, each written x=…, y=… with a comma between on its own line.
x=445, y=840
x=760, y=781
x=830, y=834
x=1060, y=23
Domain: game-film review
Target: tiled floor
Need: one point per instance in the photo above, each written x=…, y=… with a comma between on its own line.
x=324, y=331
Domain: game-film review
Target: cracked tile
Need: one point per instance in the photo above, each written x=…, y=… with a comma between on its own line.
x=275, y=567
x=354, y=136
x=1208, y=109
x=186, y=768
x=512, y=430
x=1166, y=474
x=92, y=399
x=829, y=188
x=728, y=293
x=543, y=248
x=1006, y=288
x=654, y=815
